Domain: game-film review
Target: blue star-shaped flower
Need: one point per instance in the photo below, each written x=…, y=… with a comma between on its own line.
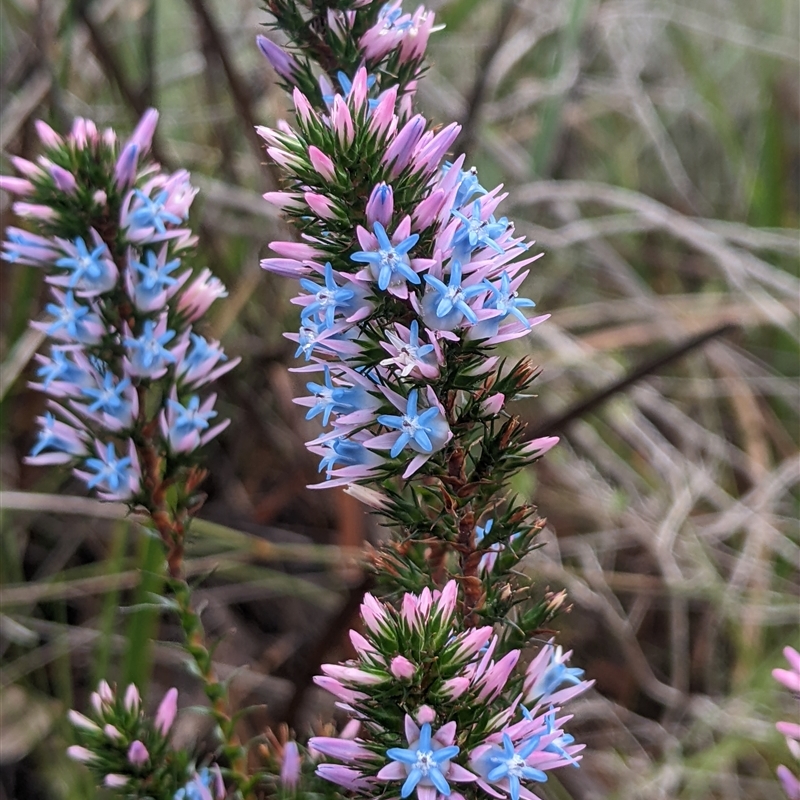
x=202, y=351
x=389, y=264
x=413, y=427
x=475, y=233
x=333, y=399
x=19, y=238
x=152, y=213
x=423, y=763
x=454, y=296
x=558, y=745
x=89, y=269
x=557, y=674
x=110, y=396
x=110, y=471
x=503, y=299
x=467, y=185
x=328, y=298
x=147, y=352
x=48, y=439
x=72, y=317
x=59, y=368
x=153, y=276
x=511, y=764
x=344, y=451
x=189, y=417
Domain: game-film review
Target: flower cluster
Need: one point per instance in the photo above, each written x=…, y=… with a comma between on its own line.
x=790, y=678
x=111, y=236
x=435, y=703
x=130, y=752
x=389, y=43
x=409, y=279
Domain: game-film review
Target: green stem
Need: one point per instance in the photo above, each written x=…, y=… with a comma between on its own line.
x=216, y=690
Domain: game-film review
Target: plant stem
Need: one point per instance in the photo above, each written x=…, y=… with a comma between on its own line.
x=216, y=691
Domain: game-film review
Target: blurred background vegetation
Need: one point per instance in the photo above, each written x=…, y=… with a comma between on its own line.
x=651, y=148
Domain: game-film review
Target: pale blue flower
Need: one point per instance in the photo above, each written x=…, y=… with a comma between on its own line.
x=327, y=299
x=346, y=453
x=510, y=763
x=450, y=301
x=422, y=762
x=475, y=233
x=335, y=399
x=468, y=185
x=60, y=368
x=421, y=430
x=152, y=213
x=111, y=473
x=147, y=354
x=199, y=788
x=189, y=418
x=153, y=277
x=91, y=272
x=55, y=435
x=504, y=299
x=110, y=397
x=76, y=321
x=389, y=264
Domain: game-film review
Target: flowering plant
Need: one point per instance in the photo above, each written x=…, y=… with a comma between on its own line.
x=409, y=281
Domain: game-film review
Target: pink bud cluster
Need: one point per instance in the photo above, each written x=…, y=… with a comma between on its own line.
x=118, y=741
x=419, y=665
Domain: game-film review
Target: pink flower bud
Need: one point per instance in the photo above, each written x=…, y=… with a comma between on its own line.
x=78, y=753
x=351, y=730
x=282, y=62
x=290, y=769
x=167, y=710
x=112, y=732
x=15, y=185
x=425, y=714
x=320, y=205
x=341, y=121
x=132, y=699
x=137, y=754
x=321, y=163
x=115, y=781
x=343, y=749
x=284, y=200
x=125, y=168
x=106, y=692
x=296, y=250
x=200, y=294
x=538, y=447
x=359, y=89
x=380, y=205
x=64, y=180
x=493, y=405
x=34, y=211
x=402, y=668
x=383, y=114
x=288, y=161
x=100, y=197
x=27, y=168
x=303, y=108
x=48, y=136
x=142, y=135
x=81, y=721
x=399, y=151
x=455, y=687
